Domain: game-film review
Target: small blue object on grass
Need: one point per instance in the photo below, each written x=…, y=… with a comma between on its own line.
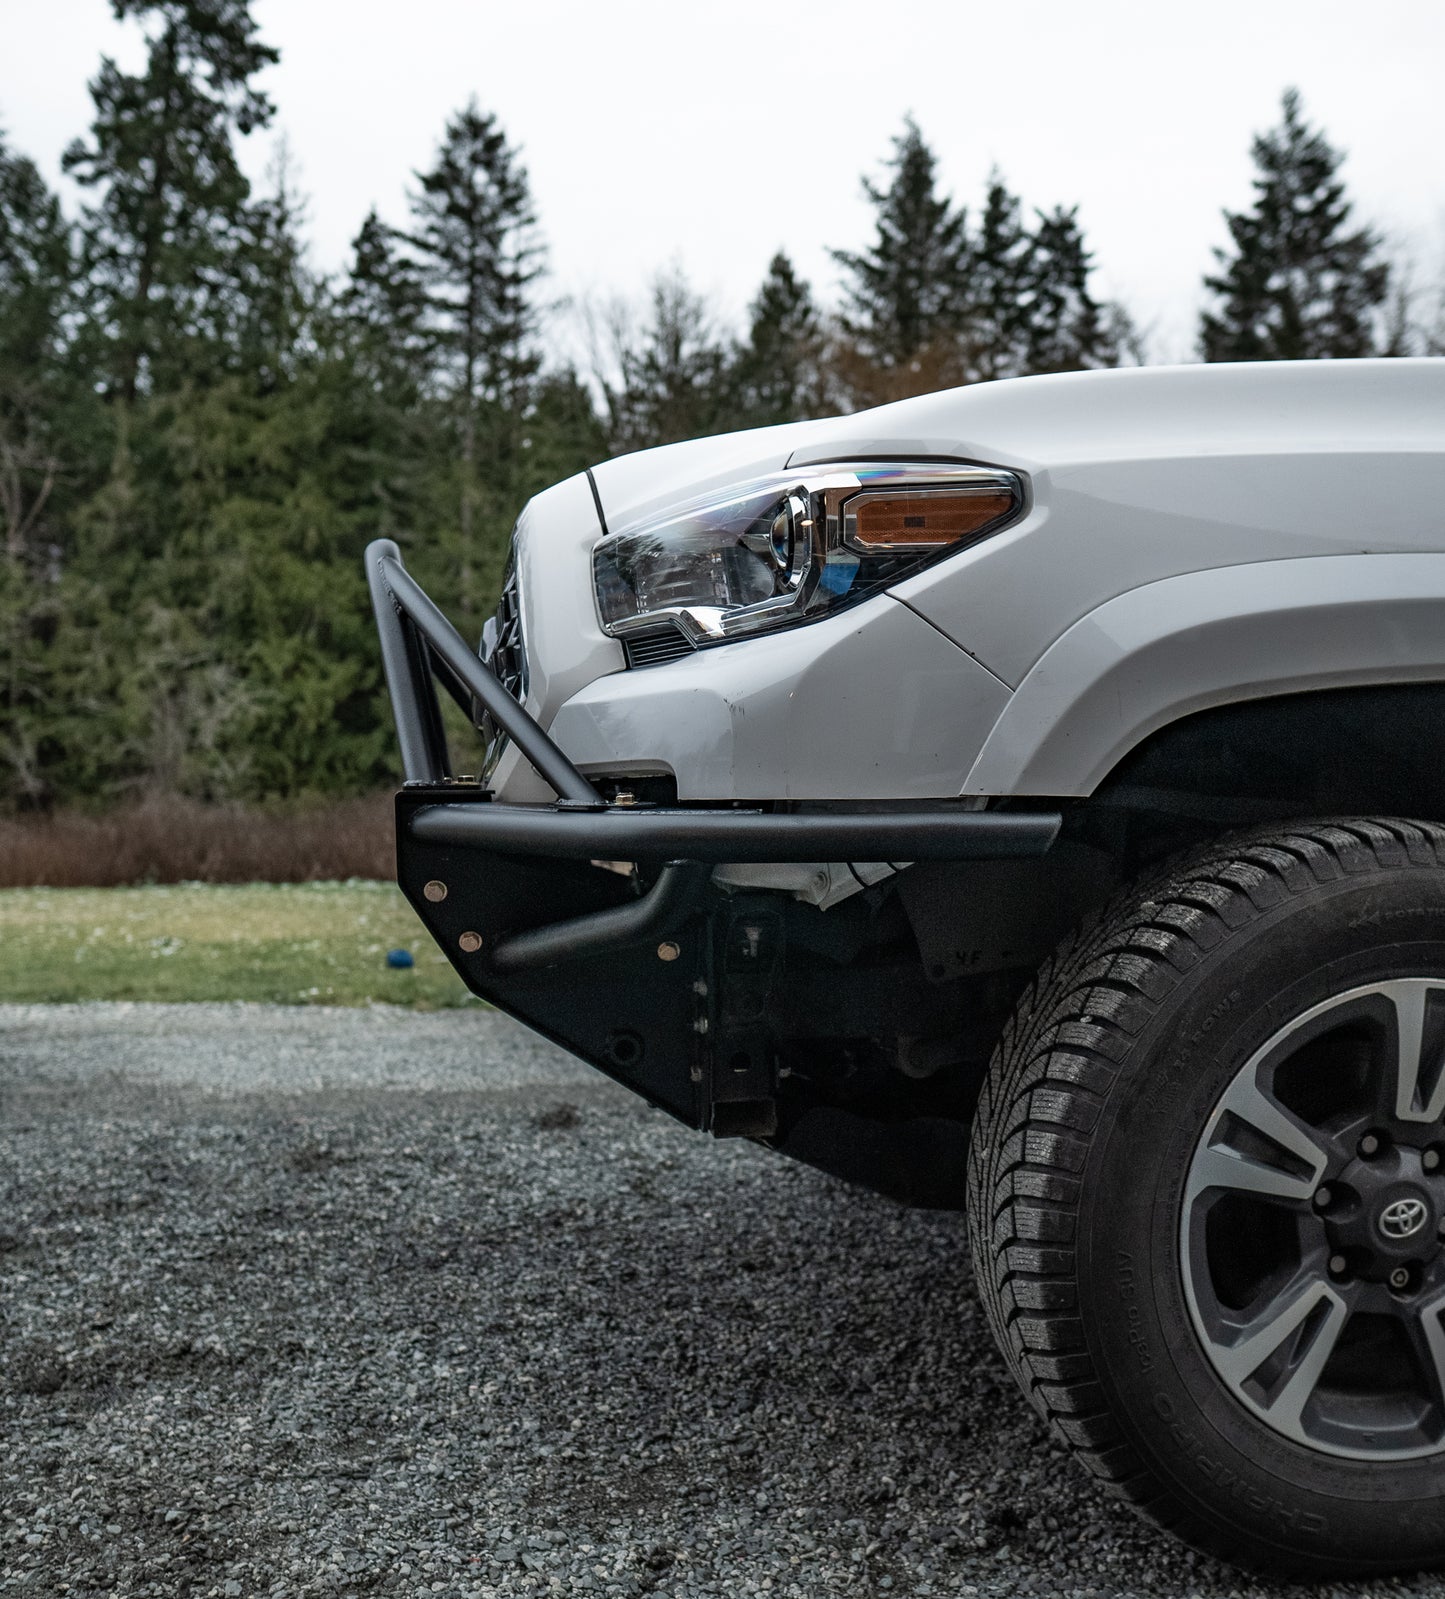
x=399, y=958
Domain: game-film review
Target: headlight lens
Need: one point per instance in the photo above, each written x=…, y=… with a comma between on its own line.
x=793, y=546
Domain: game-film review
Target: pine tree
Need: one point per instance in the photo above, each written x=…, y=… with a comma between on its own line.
x=1068, y=330
x=778, y=375
x=275, y=295
x=36, y=404
x=35, y=283
x=668, y=379
x=936, y=302
x=476, y=240
x=159, y=238
x=1029, y=306
x=908, y=290
x=1002, y=283
x=1299, y=283
x=35, y=265
x=382, y=305
x=564, y=434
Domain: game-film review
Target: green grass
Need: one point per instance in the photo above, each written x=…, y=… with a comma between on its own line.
x=281, y=943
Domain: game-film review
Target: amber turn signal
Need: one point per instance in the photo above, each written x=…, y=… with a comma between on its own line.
x=922, y=519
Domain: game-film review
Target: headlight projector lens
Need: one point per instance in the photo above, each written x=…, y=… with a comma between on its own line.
x=781, y=539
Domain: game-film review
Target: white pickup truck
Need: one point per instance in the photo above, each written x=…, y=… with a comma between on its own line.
x=1027, y=798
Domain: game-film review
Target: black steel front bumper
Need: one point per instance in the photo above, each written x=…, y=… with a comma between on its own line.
x=661, y=979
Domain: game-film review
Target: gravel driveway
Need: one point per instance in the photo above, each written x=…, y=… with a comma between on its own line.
x=354, y=1302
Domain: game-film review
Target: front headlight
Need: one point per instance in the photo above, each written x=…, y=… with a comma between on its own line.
x=793, y=546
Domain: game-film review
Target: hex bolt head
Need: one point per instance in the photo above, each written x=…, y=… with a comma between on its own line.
x=1323, y=1197
x=1369, y=1146
x=668, y=951
x=1430, y=1160
x=470, y=943
x=1400, y=1279
x=1338, y=1265
x=434, y=891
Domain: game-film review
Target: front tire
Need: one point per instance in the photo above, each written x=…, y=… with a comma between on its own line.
x=1207, y=1197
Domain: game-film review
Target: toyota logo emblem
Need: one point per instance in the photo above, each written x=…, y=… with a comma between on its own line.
x=1404, y=1218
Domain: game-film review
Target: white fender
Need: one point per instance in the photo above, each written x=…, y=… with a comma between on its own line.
x=1167, y=649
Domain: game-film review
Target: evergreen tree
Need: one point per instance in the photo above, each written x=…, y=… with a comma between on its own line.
x=35, y=285
x=35, y=265
x=382, y=305
x=1299, y=282
x=1068, y=330
x=476, y=239
x=35, y=408
x=274, y=294
x=1002, y=284
x=778, y=374
x=563, y=433
x=667, y=380
x=936, y=302
x=908, y=290
x=171, y=197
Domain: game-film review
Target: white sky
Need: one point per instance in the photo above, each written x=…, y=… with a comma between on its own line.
x=705, y=135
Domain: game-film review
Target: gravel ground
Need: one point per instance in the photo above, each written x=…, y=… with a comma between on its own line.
x=353, y=1302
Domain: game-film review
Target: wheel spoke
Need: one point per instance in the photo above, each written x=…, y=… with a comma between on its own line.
x=1419, y=1080
x=1256, y=1146
x=1291, y=1341
x=1428, y=1336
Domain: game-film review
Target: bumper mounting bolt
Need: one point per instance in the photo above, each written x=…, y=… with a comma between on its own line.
x=470, y=943
x=434, y=891
x=668, y=951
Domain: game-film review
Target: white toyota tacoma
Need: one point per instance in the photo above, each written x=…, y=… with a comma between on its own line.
x=1028, y=798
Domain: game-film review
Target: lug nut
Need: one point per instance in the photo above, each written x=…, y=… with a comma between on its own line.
x=470, y=943
x=434, y=891
x=1430, y=1160
x=1400, y=1279
x=1322, y=1198
x=1369, y=1146
x=1338, y=1265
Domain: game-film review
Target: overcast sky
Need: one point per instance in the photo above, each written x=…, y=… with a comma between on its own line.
x=662, y=132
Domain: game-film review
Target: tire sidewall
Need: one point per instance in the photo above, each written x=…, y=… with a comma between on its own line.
x=1238, y=1474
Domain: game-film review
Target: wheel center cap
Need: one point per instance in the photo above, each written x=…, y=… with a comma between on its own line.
x=1402, y=1218
x=1387, y=1213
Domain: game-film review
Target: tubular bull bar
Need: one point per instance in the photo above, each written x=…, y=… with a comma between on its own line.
x=660, y=979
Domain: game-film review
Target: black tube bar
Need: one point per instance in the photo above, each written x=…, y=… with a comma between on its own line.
x=678, y=889
x=629, y=834
x=394, y=591
x=419, y=728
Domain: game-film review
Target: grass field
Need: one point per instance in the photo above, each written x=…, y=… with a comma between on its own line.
x=284, y=943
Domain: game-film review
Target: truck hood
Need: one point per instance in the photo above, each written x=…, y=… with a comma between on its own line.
x=1049, y=423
